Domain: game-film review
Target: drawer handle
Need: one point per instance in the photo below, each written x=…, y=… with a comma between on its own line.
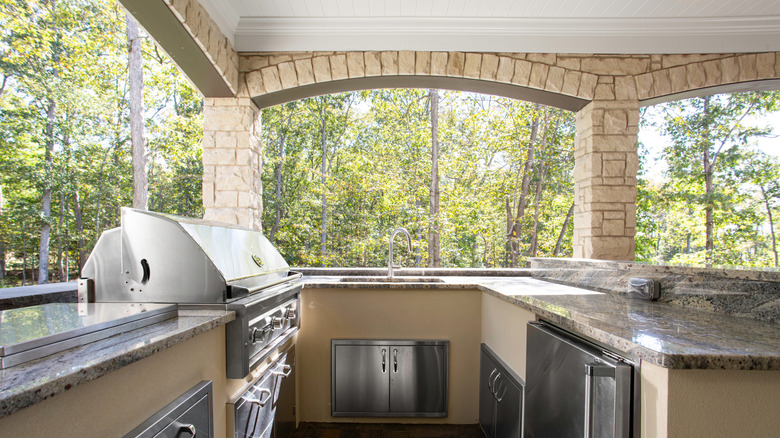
x=384, y=360
x=395, y=360
x=259, y=401
x=188, y=428
x=285, y=372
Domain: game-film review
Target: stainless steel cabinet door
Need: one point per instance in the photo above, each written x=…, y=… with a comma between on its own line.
x=418, y=379
x=500, y=397
x=361, y=379
x=284, y=372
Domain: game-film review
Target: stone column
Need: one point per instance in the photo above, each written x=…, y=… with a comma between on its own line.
x=232, y=161
x=606, y=165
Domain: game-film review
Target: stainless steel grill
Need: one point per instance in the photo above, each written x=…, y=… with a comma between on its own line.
x=160, y=258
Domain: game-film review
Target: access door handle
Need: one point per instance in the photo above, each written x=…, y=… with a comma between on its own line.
x=621, y=373
x=384, y=360
x=395, y=360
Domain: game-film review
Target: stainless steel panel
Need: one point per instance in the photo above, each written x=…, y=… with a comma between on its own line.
x=557, y=400
x=284, y=371
x=501, y=397
x=360, y=382
x=254, y=411
x=30, y=333
x=190, y=412
x=418, y=379
x=156, y=257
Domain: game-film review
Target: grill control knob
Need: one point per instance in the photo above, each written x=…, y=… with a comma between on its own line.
x=258, y=334
x=277, y=323
x=289, y=313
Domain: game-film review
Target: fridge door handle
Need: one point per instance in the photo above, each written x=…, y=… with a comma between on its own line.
x=622, y=376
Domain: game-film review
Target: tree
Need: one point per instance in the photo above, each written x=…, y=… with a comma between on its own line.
x=135, y=80
x=434, y=257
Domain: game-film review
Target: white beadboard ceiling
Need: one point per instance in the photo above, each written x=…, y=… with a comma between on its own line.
x=562, y=26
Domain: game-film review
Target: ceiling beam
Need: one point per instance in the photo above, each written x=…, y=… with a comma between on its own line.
x=169, y=33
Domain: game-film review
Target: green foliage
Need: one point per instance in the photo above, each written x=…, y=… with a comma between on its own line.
x=72, y=53
x=380, y=177
x=711, y=137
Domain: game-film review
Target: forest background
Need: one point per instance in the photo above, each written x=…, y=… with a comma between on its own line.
x=480, y=181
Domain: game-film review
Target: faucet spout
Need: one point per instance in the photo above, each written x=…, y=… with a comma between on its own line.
x=394, y=233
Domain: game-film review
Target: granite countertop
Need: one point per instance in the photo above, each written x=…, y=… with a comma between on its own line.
x=662, y=334
x=29, y=383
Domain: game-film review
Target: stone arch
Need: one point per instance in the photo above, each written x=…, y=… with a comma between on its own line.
x=270, y=79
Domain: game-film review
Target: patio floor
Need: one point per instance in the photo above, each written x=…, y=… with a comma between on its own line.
x=364, y=430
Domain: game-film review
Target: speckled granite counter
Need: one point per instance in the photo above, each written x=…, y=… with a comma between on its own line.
x=659, y=333
x=30, y=383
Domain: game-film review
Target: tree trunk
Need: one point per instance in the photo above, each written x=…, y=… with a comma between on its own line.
x=2, y=259
x=79, y=229
x=279, y=170
x=540, y=187
x=708, y=185
x=135, y=81
x=60, y=266
x=566, y=221
x=43, y=257
x=434, y=246
x=516, y=228
x=324, y=178
x=771, y=222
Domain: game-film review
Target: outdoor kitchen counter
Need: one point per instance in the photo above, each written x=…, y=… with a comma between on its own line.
x=26, y=384
x=669, y=336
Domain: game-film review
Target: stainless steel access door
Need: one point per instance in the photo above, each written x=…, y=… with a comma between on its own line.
x=361, y=376
x=574, y=389
x=418, y=382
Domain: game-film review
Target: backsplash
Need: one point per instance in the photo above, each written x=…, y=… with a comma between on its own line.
x=748, y=293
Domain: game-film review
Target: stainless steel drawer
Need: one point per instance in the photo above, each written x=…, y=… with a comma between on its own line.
x=189, y=415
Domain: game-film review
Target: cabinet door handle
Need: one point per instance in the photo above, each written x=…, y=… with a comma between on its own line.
x=259, y=401
x=490, y=379
x=395, y=360
x=285, y=372
x=189, y=428
x=384, y=360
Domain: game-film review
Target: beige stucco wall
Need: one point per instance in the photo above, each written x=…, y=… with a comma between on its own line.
x=504, y=330
x=114, y=404
x=327, y=314
x=709, y=403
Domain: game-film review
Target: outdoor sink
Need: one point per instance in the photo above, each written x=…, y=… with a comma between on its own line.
x=391, y=280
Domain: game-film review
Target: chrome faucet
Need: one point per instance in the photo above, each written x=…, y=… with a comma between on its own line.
x=390, y=264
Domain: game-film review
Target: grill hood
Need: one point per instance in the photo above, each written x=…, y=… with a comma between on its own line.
x=161, y=258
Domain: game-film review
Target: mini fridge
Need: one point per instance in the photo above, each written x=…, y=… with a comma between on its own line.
x=576, y=389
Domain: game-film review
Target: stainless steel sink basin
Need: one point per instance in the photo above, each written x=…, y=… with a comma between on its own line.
x=391, y=280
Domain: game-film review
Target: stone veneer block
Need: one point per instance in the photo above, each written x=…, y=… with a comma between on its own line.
x=455, y=63
x=389, y=63
x=555, y=79
x=625, y=88
x=662, y=85
x=472, y=65
x=571, y=82
x=777, y=64
x=271, y=79
x=615, y=121
x=439, y=63
x=321, y=66
x=605, y=92
x=522, y=72
x=254, y=83
x=422, y=63
x=356, y=65
x=373, y=64
x=489, y=68
x=406, y=62
x=338, y=67
x=568, y=63
x=729, y=69
x=765, y=65
x=305, y=71
x=588, y=86
x=747, y=67
x=252, y=62
x=678, y=78
x=711, y=72
x=544, y=58
x=287, y=75
x=606, y=65
x=614, y=168
x=695, y=75
x=538, y=75
x=506, y=69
